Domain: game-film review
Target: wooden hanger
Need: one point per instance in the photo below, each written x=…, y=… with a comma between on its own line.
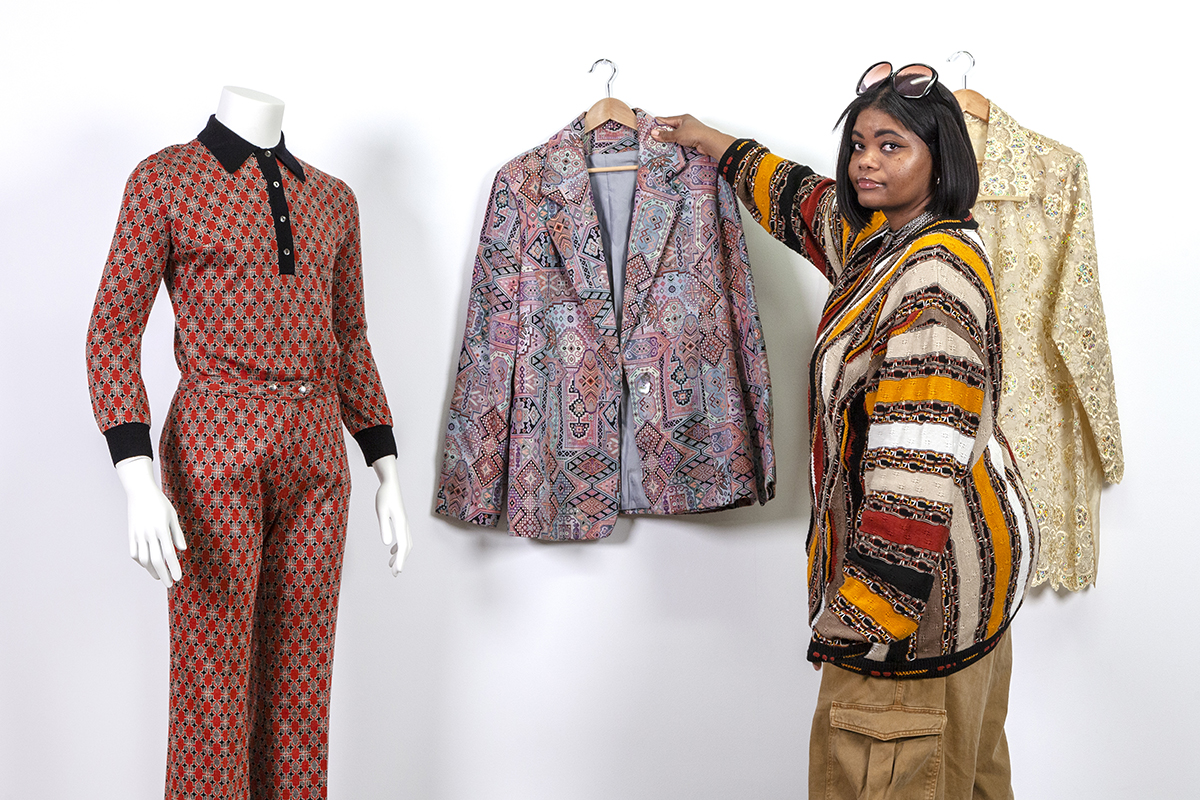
x=970, y=100
x=973, y=103
x=609, y=108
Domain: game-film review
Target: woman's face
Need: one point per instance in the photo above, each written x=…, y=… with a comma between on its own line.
x=890, y=166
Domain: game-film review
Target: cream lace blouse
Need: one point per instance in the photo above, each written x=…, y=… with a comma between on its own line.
x=1058, y=404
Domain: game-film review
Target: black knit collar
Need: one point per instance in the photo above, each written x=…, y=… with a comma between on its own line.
x=232, y=150
x=968, y=223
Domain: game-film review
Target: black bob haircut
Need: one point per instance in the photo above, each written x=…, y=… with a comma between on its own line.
x=937, y=119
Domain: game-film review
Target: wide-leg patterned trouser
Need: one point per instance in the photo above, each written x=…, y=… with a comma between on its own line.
x=257, y=473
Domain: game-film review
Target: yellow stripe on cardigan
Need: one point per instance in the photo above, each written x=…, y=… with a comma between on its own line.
x=993, y=515
x=848, y=318
x=821, y=543
x=934, y=387
x=762, y=188
x=877, y=608
x=852, y=315
x=877, y=221
x=969, y=255
x=868, y=341
x=869, y=401
x=814, y=546
x=954, y=245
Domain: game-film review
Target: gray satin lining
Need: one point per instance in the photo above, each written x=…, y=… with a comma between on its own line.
x=613, y=196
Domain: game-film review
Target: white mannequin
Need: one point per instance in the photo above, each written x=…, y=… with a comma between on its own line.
x=254, y=116
x=154, y=532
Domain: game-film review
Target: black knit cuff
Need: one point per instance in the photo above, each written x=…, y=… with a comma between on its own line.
x=731, y=161
x=376, y=442
x=127, y=440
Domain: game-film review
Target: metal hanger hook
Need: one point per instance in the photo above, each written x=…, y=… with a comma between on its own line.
x=611, y=78
x=954, y=56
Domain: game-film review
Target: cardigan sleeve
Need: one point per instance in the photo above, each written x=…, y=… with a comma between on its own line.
x=794, y=204
x=137, y=260
x=365, y=411
x=475, y=458
x=927, y=417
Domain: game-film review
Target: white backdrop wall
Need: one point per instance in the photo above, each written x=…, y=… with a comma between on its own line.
x=667, y=661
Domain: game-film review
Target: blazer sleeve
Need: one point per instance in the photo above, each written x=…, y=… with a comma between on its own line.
x=365, y=411
x=1079, y=330
x=794, y=204
x=750, y=350
x=137, y=260
x=475, y=459
x=928, y=413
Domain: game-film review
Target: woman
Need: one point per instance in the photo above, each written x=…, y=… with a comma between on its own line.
x=922, y=537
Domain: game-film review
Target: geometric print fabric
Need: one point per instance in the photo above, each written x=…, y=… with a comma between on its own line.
x=272, y=364
x=207, y=233
x=535, y=429
x=260, y=481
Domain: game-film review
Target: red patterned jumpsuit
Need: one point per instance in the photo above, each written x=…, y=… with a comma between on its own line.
x=263, y=267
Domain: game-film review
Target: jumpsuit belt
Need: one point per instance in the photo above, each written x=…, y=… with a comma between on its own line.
x=277, y=389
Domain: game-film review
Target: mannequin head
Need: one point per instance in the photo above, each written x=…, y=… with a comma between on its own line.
x=252, y=115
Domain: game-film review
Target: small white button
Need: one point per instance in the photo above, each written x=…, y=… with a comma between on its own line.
x=283, y=219
x=303, y=388
x=287, y=252
x=643, y=385
x=276, y=184
x=268, y=153
x=273, y=386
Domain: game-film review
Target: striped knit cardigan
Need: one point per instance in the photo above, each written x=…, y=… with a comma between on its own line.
x=922, y=537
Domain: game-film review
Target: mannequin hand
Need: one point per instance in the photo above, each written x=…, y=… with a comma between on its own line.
x=153, y=524
x=691, y=132
x=389, y=507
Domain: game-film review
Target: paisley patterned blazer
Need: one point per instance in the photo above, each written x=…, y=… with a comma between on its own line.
x=536, y=405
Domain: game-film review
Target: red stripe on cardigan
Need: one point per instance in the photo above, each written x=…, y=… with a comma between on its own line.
x=905, y=531
x=808, y=210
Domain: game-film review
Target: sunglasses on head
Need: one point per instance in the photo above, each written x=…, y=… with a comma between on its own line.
x=913, y=81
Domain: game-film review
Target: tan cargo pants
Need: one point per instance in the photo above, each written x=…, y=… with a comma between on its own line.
x=925, y=739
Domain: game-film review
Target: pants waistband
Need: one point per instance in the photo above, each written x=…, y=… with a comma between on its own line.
x=284, y=390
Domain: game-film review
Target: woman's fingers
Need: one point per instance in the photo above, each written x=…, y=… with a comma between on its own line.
x=688, y=131
x=668, y=129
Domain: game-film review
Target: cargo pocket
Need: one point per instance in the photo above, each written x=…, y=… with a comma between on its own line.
x=884, y=752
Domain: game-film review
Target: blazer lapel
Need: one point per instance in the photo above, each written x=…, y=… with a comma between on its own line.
x=655, y=206
x=574, y=227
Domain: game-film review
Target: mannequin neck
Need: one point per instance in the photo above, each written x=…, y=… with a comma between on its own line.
x=254, y=116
